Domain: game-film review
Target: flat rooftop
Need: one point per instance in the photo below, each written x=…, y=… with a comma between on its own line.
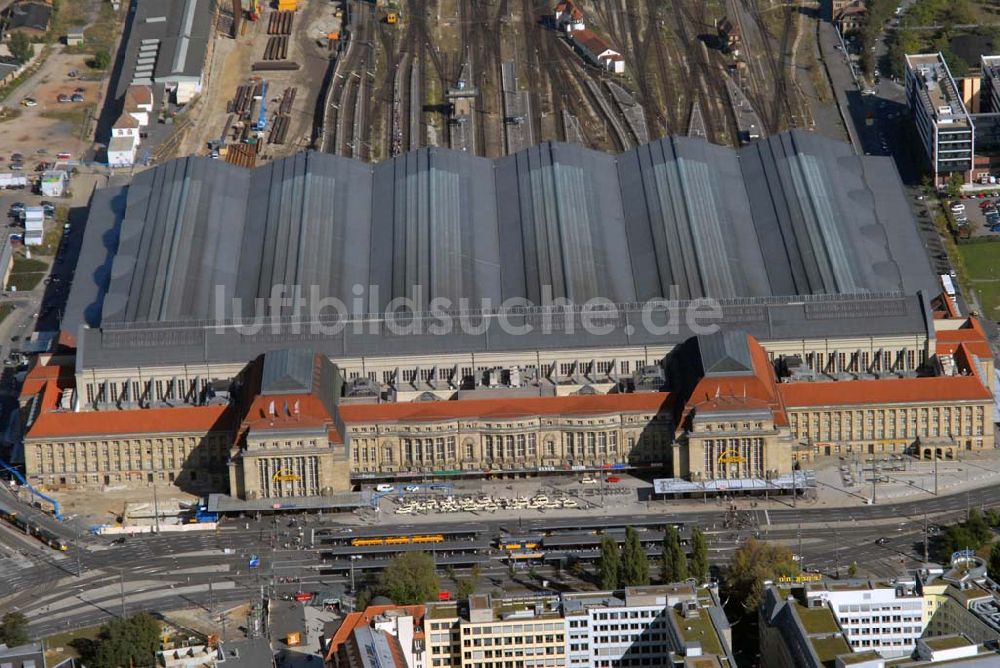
x=937, y=89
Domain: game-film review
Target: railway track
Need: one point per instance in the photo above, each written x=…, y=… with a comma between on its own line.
x=387, y=93
x=640, y=57
x=704, y=78
x=426, y=51
x=780, y=100
x=348, y=89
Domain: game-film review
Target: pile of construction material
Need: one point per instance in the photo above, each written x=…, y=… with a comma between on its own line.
x=282, y=119
x=277, y=48
x=280, y=23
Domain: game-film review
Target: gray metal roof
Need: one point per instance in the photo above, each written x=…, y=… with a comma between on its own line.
x=797, y=214
x=287, y=371
x=176, y=31
x=726, y=352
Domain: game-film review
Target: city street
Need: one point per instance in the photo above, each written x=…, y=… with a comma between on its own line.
x=211, y=569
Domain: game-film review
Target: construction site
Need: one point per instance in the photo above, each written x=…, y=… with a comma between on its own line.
x=371, y=80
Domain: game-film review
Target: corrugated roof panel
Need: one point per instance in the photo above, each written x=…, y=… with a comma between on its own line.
x=795, y=214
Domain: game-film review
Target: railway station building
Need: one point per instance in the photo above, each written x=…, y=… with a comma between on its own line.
x=187, y=359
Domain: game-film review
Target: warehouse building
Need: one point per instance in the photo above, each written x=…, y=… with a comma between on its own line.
x=832, y=337
x=167, y=47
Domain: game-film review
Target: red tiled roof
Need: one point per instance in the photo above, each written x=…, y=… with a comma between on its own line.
x=126, y=120
x=137, y=94
x=739, y=392
x=970, y=333
x=298, y=410
x=423, y=411
x=569, y=7
x=355, y=619
x=51, y=381
x=187, y=419
x=885, y=391
x=39, y=375
x=591, y=41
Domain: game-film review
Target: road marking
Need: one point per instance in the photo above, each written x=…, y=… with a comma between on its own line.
x=767, y=516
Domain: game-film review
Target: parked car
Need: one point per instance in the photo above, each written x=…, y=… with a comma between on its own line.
x=881, y=541
x=588, y=481
x=614, y=479
x=17, y=208
x=77, y=97
x=384, y=487
x=957, y=206
x=63, y=97
x=29, y=102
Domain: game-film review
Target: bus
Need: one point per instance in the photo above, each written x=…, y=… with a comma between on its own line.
x=949, y=285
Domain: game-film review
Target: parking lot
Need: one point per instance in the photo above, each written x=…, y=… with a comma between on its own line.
x=975, y=214
x=49, y=127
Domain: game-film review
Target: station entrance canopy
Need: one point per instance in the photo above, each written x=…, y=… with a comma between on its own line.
x=798, y=480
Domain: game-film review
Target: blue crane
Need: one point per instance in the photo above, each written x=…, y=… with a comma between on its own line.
x=262, y=116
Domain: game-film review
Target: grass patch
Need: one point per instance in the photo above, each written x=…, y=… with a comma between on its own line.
x=74, y=112
x=79, y=116
x=5, y=310
x=61, y=645
x=9, y=114
x=50, y=241
x=100, y=35
x=69, y=14
x=26, y=273
x=982, y=267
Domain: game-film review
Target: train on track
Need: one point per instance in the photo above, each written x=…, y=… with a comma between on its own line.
x=42, y=534
x=397, y=540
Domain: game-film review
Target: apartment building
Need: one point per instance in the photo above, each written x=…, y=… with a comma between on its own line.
x=647, y=626
x=884, y=616
x=669, y=625
x=943, y=123
x=394, y=633
x=934, y=616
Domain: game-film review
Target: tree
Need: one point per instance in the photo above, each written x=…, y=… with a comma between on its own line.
x=852, y=570
x=101, y=60
x=20, y=47
x=609, y=563
x=699, y=556
x=674, y=565
x=993, y=515
x=410, y=578
x=971, y=534
x=14, y=629
x=751, y=565
x=635, y=562
x=127, y=642
x=955, y=183
x=466, y=588
x=978, y=528
x=993, y=565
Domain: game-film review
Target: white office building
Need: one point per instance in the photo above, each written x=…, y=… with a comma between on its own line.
x=887, y=617
x=645, y=626
x=945, y=127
